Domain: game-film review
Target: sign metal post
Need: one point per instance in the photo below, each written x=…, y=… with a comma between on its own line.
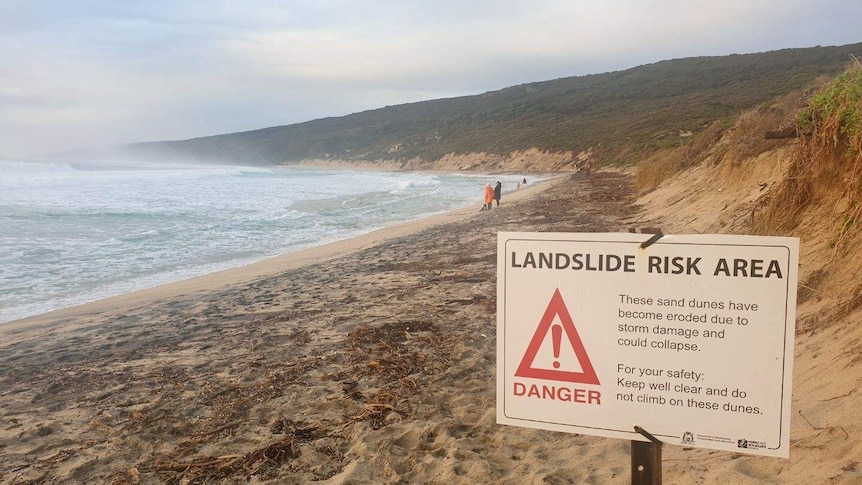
x=646, y=460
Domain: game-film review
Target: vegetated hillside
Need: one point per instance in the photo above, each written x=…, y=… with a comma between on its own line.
x=619, y=115
x=811, y=188
x=793, y=180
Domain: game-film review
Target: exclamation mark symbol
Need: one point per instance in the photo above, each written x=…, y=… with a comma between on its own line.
x=556, y=335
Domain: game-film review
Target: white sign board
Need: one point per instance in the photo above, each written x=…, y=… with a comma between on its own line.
x=690, y=338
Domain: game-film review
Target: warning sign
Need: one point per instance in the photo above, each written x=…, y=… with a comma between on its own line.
x=690, y=338
x=557, y=310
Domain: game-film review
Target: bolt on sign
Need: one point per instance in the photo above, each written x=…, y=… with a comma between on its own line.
x=690, y=338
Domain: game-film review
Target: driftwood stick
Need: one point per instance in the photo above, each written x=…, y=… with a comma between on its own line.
x=782, y=133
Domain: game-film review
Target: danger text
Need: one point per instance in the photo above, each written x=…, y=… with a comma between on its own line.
x=558, y=393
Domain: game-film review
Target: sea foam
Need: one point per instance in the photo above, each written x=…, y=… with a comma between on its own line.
x=74, y=232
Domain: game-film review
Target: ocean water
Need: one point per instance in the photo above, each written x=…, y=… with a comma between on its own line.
x=71, y=233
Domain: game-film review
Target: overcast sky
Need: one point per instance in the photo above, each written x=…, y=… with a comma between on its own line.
x=95, y=72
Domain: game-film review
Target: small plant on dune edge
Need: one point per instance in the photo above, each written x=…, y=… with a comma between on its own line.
x=830, y=151
x=834, y=115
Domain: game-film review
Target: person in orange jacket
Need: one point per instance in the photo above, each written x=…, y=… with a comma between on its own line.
x=489, y=196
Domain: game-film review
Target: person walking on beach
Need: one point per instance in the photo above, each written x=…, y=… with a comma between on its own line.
x=489, y=196
x=498, y=192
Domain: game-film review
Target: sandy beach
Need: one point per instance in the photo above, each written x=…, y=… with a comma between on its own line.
x=366, y=361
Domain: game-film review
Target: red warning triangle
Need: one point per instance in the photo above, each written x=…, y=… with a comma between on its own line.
x=557, y=308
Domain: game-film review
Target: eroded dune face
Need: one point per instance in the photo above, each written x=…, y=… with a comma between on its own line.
x=731, y=196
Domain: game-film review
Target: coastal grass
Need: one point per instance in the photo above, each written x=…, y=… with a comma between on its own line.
x=827, y=163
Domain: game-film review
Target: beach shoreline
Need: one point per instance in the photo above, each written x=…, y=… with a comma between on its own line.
x=285, y=353
x=376, y=166
x=248, y=272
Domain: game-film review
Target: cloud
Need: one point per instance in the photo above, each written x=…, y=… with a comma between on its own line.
x=397, y=48
x=101, y=72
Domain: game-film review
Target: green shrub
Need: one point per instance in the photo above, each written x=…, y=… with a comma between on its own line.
x=834, y=114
